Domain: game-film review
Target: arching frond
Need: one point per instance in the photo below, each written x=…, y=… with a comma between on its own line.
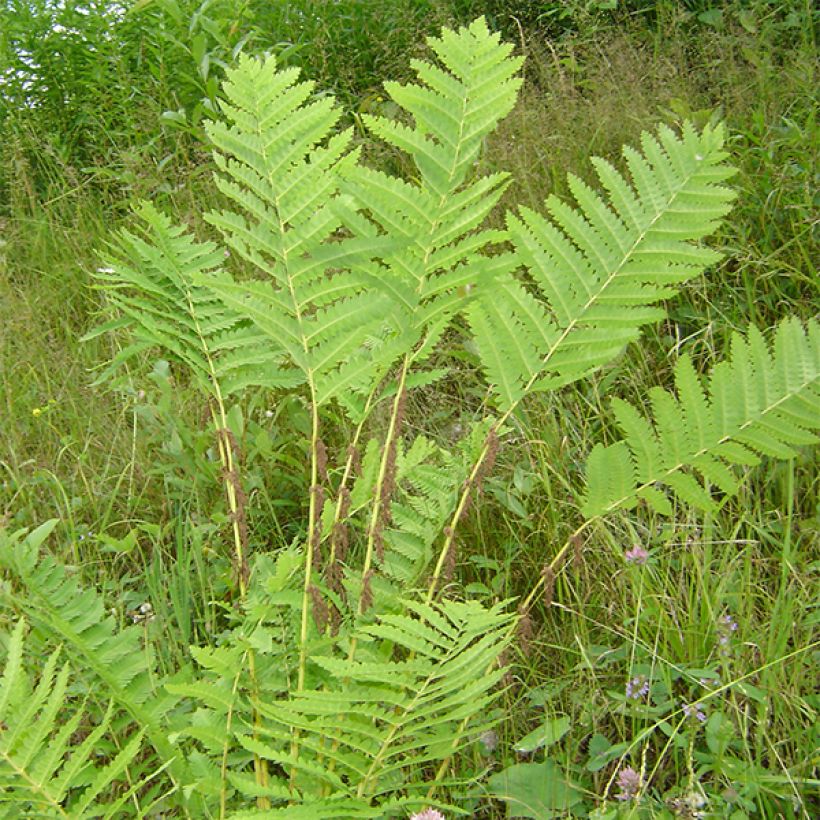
x=763, y=400
x=599, y=270
x=378, y=720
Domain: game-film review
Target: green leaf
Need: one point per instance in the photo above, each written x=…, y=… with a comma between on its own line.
x=534, y=790
x=764, y=399
x=544, y=736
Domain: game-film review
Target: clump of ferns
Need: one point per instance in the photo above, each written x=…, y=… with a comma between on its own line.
x=353, y=674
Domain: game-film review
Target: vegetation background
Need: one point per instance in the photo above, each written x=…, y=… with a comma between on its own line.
x=102, y=104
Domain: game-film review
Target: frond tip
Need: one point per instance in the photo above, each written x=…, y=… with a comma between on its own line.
x=763, y=401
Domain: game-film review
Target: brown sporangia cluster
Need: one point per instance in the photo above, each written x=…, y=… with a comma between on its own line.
x=388, y=484
x=577, y=552
x=316, y=538
x=339, y=542
x=548, y=574
x=321, y=460
x=321, y=613
x=367, y=592
x=227, y=443
x=525, y=629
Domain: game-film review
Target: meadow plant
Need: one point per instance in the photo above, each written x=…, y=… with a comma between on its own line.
x=348, y=673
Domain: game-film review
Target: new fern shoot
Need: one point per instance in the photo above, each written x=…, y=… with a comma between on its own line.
x=353, y=671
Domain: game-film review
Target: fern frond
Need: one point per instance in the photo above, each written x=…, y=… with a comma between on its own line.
x=430, y=480
x=280, y=164
x=601, y=268
x=150, y=278
x=377, y=720
x=43, y=771
x=439, y=267
x=762, y=401
x=112, y=663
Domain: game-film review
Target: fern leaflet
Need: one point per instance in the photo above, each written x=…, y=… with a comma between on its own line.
x=43, y=771
x=108, y=661
x=150, y=278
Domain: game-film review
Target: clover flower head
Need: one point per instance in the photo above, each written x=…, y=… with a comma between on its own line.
x=637, y=555
x=428, y=814
x=629, y=782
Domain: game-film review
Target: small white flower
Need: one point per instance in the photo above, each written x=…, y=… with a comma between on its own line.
x=105, y=270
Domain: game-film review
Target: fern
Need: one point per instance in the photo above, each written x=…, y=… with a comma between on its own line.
x=113, y=664
x=44, y=771
x=377, y=719
x=440, y=264
x=150, y=279
x=762, y=401
x=597, y=271
x=280, y=164
x=431, y=478
x=336, y=692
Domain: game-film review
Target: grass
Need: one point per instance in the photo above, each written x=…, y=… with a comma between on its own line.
x=130, y=477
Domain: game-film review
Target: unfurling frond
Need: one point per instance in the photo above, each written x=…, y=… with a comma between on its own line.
x=762, y=401
x=44, y=771
x=597, y=271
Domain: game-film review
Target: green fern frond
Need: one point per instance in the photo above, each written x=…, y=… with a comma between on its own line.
x=280, y=164
x=440, y=267
x=150, y=278
x=376, y=720
x=44, y=772
x=113, y=664
x=601, y=268
x=762, y=401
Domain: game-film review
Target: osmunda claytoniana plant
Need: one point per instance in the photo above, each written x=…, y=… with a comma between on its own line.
x=352, y=677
